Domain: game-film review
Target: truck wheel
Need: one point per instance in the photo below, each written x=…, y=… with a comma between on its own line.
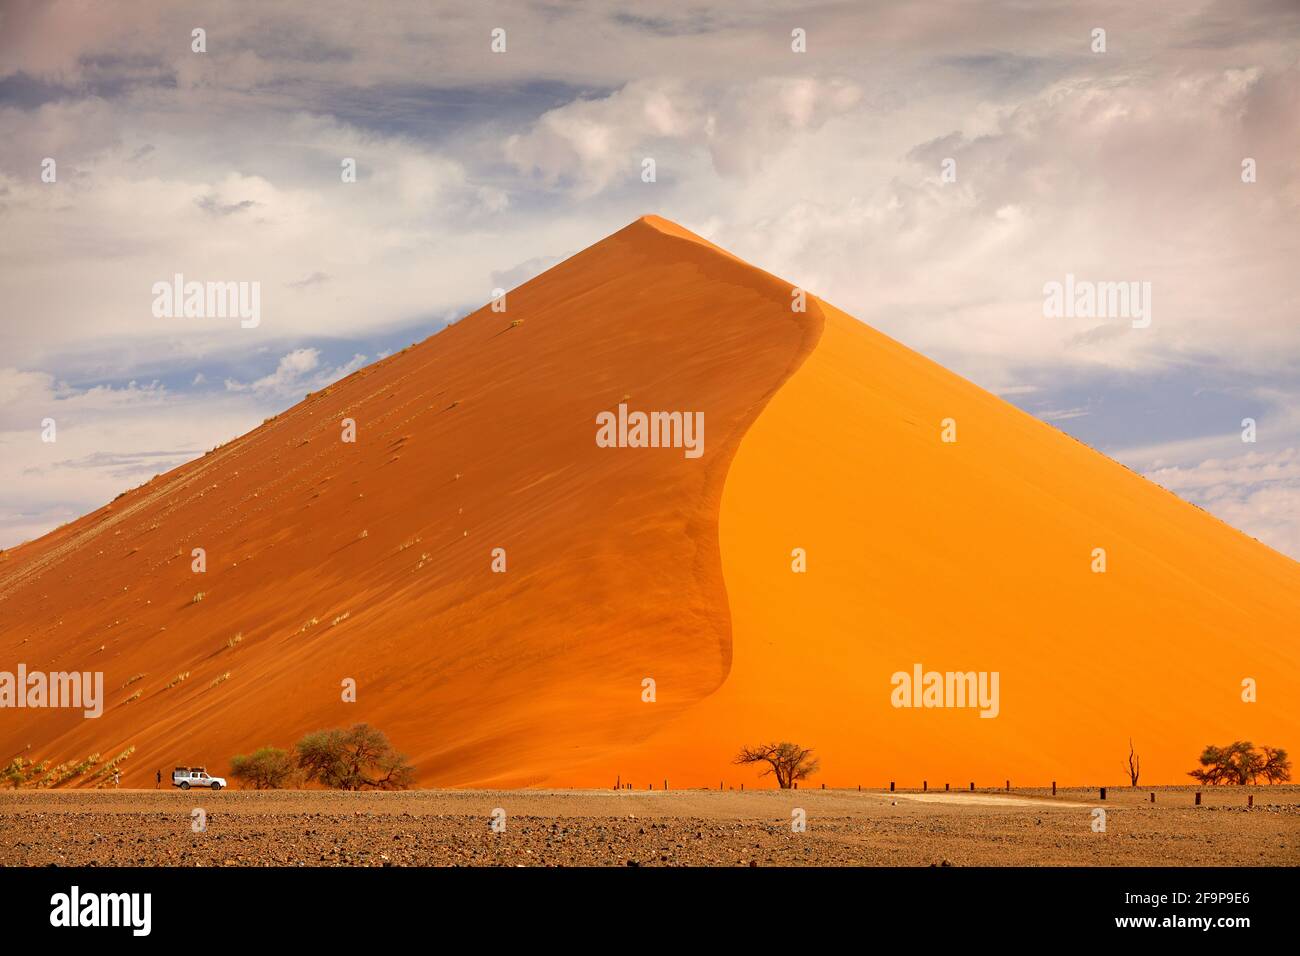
x=185, y=785
x=216, y=786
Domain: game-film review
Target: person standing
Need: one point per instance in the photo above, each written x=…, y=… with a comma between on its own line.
x=117, y=778
x=158, y=781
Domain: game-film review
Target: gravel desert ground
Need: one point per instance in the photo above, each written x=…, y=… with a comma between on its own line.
x=651, y=828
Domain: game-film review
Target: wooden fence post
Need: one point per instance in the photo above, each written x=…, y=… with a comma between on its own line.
x=1250, y=799
x=1053, y=788
x=972, y=786
x=1198, y=798
x=1153, y=798
x=1103, y=793
x=891, y=786
x=924, y=785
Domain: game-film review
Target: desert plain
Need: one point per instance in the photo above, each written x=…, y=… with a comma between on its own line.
x=1025, y=827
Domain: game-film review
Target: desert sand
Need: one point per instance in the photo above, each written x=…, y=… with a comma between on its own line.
x=372, y=561
x=642, y=828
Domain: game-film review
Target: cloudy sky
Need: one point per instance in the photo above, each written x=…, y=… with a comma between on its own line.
x=478, y=169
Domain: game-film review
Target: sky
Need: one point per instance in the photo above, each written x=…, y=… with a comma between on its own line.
x=929, y=168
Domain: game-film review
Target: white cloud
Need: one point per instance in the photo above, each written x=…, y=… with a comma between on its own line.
x=589, y=145
x=296, y=372
x=288, y=374
x=1257, y=492
x=107, y=439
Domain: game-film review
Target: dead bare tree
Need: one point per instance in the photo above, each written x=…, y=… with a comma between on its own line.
x=789, y=762
x=1134, y=765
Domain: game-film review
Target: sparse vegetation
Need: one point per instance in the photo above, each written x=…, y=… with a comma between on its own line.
x=789, y=762
x=220, y=679
x=197, y=598
x=353, y=759
x=340, y=619
x=41, y=776
x=136, y=696
x=1240, y=763
x=1134, y=764
x=104, y=774
x=19, y=772
x=177, y=679
x=131, y=680
x=233, y=642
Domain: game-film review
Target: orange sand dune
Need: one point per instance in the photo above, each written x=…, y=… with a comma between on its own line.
x=973, y=555
x=373, y=561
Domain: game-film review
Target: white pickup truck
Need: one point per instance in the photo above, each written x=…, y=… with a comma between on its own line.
x=186, y=777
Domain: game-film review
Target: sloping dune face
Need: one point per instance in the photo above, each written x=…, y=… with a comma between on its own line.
x=372, y=561
x=975, y=555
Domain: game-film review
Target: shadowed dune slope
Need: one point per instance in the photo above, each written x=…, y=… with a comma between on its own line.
x=971, y=556
x=373, y=560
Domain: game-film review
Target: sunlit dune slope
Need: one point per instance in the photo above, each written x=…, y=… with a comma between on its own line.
x=973, y=555
x=373, y=560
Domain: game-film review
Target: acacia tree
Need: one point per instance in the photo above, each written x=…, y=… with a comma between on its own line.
x=1277, y=768
x=1134, y=764
x=1238, y=763
x=789, y=762
x=353, y=759
x=268, y=768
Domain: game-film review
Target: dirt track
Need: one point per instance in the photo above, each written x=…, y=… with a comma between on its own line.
x=605, y=828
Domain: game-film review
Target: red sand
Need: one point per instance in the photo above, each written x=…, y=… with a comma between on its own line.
x=967, y=556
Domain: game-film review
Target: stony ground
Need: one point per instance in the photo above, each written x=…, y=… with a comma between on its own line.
x=682, y=828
